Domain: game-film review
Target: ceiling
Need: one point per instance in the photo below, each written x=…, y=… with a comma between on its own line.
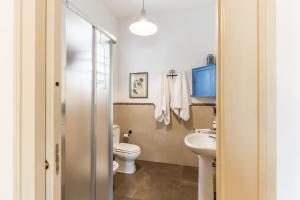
x=130, y=8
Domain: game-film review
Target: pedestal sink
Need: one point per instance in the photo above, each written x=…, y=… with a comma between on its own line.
x=204, y=145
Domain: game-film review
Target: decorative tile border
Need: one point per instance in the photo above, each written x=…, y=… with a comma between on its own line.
x=152, y=104
x=132, y=104
x=203, y=104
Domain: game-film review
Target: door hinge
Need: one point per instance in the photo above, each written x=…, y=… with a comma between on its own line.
x=46, y=164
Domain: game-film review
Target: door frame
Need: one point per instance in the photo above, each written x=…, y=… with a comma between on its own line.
x=29, y=89
x=53, y=100
x=266, y=100
x=33, y=52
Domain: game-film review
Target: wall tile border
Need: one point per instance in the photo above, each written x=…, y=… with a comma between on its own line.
x=152, y=104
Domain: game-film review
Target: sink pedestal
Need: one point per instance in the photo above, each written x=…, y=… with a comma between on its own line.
x=205, y=147
x=205, y=178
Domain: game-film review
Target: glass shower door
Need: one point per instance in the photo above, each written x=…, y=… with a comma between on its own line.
x=86, y=112
x=77, y=176
x=103, y=117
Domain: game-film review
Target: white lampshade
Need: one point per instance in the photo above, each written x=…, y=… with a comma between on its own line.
x=143, y=25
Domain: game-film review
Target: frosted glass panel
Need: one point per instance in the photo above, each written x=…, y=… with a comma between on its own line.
x=78, y=129
x=103, y=151
x=86, y=112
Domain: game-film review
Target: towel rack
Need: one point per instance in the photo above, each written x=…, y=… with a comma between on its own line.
x=172, y=73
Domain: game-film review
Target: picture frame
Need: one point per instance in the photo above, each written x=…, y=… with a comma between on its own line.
x=138, y=85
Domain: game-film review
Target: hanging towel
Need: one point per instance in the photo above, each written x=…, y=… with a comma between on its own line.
x=181, y=100
x=162, y=105
x=185, y=98
x=176, y=100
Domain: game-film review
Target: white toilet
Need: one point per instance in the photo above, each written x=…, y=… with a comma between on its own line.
x=125, y=154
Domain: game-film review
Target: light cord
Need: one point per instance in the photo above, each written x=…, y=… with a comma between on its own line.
x=143, y=4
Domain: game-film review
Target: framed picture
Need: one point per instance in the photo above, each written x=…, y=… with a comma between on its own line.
x=138, y=85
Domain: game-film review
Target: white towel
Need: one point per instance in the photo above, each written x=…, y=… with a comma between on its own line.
x=176, y=101
x=181, y=99
x=162, y=106
x=185, y=98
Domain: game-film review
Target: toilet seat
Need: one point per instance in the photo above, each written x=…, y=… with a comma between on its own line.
x=126, y=148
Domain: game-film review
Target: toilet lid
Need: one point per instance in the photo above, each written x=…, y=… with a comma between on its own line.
x=124, y=147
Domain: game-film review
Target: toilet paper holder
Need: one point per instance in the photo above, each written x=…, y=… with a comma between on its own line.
x=126, y=135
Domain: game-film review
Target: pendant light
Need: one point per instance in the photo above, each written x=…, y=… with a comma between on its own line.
x=143, y=24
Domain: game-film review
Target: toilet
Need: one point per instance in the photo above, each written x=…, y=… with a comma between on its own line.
x=125, y=154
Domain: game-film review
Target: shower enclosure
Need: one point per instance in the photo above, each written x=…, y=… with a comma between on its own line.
x=86, y=110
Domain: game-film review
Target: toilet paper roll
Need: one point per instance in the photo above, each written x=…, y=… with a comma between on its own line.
x=126, y=135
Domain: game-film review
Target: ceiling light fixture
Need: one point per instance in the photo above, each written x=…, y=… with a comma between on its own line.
x=143, y=24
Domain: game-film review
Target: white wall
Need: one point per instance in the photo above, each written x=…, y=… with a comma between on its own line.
x=183, y=41
x=6, y=100
x=98, y=13
x=288, y=94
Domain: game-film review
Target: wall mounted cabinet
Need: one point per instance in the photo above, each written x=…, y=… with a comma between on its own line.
x=204, y=81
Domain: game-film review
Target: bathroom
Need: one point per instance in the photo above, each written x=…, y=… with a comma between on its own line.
x=85, y=113
x=166, y=168
x=136, y=83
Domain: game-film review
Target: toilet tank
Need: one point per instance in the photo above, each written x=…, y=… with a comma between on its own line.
x=116, y=134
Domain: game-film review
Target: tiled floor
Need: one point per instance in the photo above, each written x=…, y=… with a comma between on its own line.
x=157, y=181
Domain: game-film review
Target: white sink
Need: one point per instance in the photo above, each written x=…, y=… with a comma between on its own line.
x=201, y=144
x=205, y=147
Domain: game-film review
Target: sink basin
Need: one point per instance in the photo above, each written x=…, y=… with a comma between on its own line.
x=201, y=144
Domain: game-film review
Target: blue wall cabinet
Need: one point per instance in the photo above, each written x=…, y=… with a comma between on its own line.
x=204, y=81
